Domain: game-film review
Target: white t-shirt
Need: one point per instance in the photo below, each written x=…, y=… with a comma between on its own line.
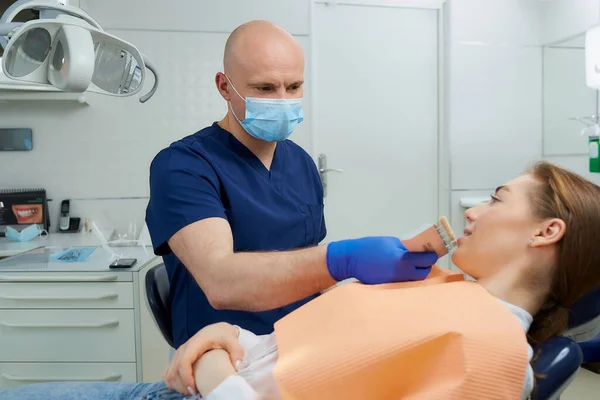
x=525, y=319
x=255, y=377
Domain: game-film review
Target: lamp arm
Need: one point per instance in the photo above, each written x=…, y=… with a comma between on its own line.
x=53, y=5
x=5, y=29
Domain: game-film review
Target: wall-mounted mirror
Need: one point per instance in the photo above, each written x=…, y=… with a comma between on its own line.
x=566, y=96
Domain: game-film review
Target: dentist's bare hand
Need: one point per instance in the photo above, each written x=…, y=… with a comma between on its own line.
x=179, y=375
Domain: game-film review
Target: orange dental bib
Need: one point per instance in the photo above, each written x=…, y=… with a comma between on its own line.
x=441, y=338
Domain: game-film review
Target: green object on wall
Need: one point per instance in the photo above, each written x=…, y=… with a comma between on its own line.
x=593, y=143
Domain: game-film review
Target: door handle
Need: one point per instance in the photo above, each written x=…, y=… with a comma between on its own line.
x=331, y=170
x=323, y=170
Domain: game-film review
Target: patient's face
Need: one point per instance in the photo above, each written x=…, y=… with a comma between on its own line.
x=497, y=232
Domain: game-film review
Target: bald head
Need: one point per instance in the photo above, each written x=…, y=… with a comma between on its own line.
x=257, y=40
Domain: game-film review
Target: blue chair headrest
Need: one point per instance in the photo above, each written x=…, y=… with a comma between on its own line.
x=555, y=363
x=585, y=309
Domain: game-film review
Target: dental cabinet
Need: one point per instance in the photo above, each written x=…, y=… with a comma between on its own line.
x=76, y=321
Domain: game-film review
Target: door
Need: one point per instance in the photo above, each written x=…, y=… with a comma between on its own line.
x=376, y=110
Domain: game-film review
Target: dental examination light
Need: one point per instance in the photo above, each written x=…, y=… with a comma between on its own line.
x=71, y=52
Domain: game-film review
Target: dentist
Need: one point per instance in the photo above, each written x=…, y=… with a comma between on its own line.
x=236, y=209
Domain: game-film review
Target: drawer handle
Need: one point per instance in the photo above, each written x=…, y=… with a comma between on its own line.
x=59, y=378
x=107, y=324
x=82, y=278
x=107, y=296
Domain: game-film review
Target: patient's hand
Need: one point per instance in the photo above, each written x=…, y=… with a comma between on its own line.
x=179, y=375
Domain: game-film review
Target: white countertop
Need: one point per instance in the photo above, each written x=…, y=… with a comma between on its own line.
x=35, y=254
x=40, y=260
x=10, y=248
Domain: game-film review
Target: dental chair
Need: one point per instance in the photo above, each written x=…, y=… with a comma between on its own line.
x=158, y=300
x=584, y=328
x=556, y=363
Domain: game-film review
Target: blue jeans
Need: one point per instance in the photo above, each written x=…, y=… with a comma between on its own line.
x=93, y=391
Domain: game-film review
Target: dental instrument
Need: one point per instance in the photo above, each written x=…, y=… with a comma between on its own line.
x=438, y=238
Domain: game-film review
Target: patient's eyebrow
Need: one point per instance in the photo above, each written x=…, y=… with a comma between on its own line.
x=499, y=188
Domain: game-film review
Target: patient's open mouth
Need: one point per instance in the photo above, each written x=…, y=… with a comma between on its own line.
x=28, y=213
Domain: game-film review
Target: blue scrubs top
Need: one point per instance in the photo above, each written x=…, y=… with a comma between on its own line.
x=212, y=174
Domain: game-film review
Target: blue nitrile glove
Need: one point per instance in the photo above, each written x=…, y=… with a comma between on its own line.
x=374, y=260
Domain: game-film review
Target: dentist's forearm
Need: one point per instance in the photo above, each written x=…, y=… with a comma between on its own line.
x=243, y=280
x=264, y=281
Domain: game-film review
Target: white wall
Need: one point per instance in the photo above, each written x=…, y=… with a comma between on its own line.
x=494, y=82
x=105, y=149
x=509, y=97
x=565, y=96
x=565, y=92
x=564, y=18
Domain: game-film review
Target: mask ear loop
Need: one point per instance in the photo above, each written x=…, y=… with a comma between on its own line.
x=229, y=102
x=233, y=86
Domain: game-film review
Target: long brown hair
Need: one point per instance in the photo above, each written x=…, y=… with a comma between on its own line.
x=568, y=196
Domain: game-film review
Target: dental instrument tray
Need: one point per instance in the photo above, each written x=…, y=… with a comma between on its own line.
x=22, y=207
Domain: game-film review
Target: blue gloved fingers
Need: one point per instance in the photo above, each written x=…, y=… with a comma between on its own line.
x=420, y=259
x=375, y=260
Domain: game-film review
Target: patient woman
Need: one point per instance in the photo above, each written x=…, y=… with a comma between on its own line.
x=533, y=250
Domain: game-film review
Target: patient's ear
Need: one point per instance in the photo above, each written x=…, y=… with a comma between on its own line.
x=550, y=232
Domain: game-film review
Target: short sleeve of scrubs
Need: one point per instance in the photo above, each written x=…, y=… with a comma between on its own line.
x=183, y=189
